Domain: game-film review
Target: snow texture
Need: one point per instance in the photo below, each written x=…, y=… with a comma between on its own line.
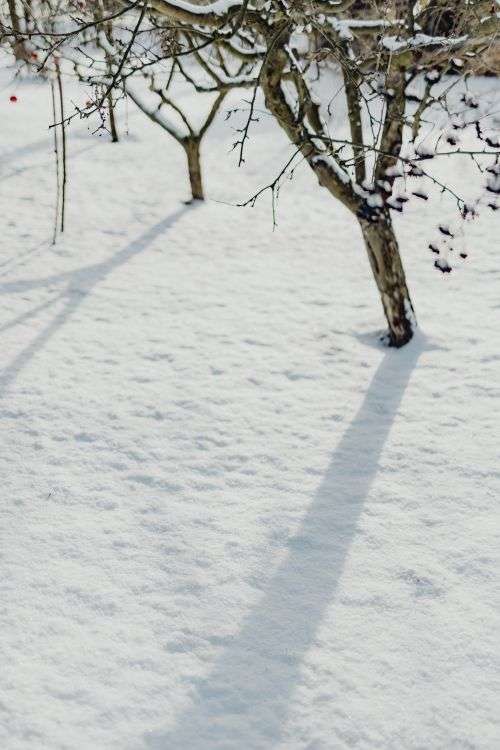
x=218, y=8
x=230, y=519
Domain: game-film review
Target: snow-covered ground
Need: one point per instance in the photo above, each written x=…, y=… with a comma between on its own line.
x=230, y=520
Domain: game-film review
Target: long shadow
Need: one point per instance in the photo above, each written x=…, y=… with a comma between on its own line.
x=72, y=287
x=15, y=262
x=28, y=167
x=43, y=144
x=243, y=704
x=31, y=148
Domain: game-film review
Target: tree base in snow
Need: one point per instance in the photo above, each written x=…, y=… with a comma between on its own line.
x=389, y=340
x=192, y=201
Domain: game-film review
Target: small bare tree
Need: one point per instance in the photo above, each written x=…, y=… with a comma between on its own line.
x=158, y=102
x=190, y=138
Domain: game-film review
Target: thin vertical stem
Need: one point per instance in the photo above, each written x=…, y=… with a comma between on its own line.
x=56, y=152
x=63, y=144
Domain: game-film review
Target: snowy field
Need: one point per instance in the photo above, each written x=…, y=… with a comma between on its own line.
x=230, y=519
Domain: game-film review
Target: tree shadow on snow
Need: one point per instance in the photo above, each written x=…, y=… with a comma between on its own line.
x=243, y=703
x=71, y=288
x=43, y=144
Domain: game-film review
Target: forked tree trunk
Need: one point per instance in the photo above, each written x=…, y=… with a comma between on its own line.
x=379, y=236
x=192, y=148
x=385, y=260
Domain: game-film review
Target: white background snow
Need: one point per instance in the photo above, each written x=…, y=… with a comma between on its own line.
x=230, y=520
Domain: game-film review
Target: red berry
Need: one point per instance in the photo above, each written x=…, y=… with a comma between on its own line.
x=13, y=98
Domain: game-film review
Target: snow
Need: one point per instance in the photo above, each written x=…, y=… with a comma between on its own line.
x=230, y=519
x=218, y=8
x=334, y=166
x=395, y=44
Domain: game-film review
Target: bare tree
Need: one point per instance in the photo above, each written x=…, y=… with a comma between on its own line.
x=160, y=44
x=399, y=65
x=190, y=139
x=384, y=59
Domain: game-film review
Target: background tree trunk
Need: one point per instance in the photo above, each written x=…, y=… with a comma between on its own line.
x=385, y=260
x=192, y=148
x=112, y=121
x=18, y=46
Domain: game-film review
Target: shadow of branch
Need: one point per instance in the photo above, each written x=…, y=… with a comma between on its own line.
x=77, y=285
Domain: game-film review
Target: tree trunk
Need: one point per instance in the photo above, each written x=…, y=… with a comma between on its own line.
x=18, y=46
x=385, y=260
x=112, y=122
x=192, y=148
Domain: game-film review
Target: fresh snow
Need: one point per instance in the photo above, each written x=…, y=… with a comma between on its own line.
x=218, y=8
x=396, y=44
x=230, y=519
